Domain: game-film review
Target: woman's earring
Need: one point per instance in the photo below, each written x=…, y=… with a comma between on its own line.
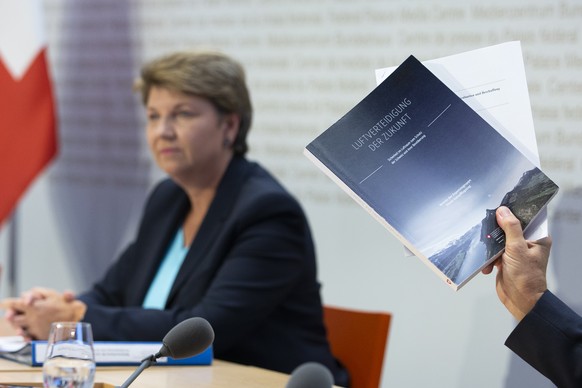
x=226, y=143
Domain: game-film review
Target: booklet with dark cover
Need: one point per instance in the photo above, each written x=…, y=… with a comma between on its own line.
x=432, y=171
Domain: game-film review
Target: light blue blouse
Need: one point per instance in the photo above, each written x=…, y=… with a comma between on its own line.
x=159, y=290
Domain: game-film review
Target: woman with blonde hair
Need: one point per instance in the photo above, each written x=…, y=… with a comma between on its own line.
x=219, y=239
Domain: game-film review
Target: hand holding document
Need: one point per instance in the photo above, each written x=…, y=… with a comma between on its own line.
x=431, y=169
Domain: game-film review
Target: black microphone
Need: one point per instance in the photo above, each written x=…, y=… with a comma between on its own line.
x=188, y=338
x=310, y=375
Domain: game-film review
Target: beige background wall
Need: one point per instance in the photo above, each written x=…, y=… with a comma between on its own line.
x=307, y=63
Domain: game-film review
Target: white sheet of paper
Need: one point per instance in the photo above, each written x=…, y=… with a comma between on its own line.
x=492, y=81
x=12, y=343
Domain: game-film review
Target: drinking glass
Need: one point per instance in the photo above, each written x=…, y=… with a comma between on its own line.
x=70, y=360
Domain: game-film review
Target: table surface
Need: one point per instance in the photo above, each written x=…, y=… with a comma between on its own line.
x=219, y=374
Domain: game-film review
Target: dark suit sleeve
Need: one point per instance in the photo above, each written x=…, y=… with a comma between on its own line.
x=549, y=338
x=112, y=317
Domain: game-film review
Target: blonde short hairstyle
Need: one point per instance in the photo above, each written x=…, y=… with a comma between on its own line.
x=207, y=74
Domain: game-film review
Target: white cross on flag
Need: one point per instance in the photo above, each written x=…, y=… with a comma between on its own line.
x=27, y=117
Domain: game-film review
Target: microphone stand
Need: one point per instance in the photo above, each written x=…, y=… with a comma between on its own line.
x=145, y=363
x=195, y=330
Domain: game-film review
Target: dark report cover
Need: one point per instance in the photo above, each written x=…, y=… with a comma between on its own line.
x=432, y=171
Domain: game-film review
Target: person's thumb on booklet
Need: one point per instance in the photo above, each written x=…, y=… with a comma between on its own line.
x=521, y=269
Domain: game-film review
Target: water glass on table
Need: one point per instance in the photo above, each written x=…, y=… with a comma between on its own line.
x=70, y=360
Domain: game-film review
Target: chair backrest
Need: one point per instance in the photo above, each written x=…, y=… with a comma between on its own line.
x=358, y=339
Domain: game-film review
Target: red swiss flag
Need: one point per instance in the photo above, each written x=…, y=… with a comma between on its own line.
x=27, y=122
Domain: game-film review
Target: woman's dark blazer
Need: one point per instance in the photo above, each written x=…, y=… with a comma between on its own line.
x=250, y=271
